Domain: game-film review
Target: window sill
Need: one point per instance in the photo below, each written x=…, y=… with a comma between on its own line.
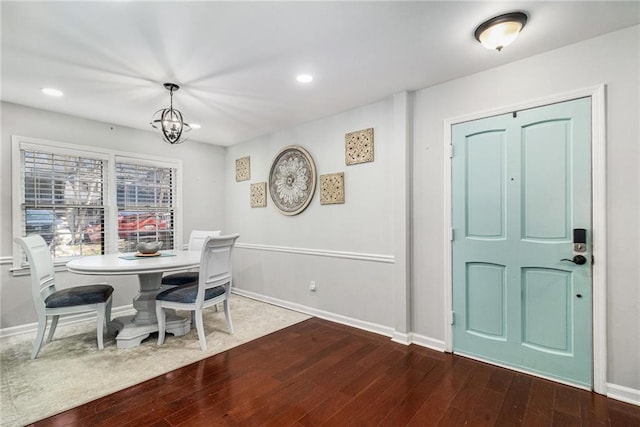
x=26, y=271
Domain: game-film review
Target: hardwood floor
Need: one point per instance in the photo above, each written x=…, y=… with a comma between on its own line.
x=322, y=373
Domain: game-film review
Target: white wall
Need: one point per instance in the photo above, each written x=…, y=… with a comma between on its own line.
x=358, y=289
x=203, y=191
x=611, y=59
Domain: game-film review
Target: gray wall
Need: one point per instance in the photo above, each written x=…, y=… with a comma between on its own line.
x=203, y=190
x=358, y=289
x=611, y=59
x=362, y=292
x=346, y=248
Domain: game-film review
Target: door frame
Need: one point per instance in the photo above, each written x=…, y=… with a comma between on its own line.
x=598, y=233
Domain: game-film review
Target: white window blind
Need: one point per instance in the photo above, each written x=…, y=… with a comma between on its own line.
x=88, y=200
x=62, y=200
x=146, y=203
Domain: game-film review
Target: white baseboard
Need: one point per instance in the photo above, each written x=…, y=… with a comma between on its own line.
x=614, y=391
x=65, y=320
x=349, y=321
x=423, y=341
x=624, y=394
x=399, y=337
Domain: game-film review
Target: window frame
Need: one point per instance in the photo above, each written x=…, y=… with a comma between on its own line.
x=110, y=157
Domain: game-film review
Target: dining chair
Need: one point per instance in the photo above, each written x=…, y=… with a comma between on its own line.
x=52, y=303
x=213, y=287
x=196, y=239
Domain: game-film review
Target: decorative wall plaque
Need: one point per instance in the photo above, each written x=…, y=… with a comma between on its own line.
x=359, y=146
x=259, y=195
x=243, y=169
x=292, y=180
x=332, y=188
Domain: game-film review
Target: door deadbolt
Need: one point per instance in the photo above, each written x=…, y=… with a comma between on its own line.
x=579, y=240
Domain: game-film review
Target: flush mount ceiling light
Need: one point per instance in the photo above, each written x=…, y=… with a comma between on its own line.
x=501, y=31
x=170, y=121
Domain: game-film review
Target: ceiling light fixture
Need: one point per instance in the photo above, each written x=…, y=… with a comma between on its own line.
x=501, y=31
x=51, y=91
x=170, y=121
x=304, y=78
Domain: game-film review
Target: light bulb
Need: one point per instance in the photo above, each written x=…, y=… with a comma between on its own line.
x=500, y=35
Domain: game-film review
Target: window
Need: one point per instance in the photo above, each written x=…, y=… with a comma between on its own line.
x=64, y=193
x=145, y=204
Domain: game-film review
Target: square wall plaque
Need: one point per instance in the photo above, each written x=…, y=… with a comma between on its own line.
x=359, y=146
x=332, y=188
x=243, y=169
x=259, y=195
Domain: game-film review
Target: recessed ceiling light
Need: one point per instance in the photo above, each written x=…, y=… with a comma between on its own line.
x=51, y=91
x=195, y=126
x=304, y=78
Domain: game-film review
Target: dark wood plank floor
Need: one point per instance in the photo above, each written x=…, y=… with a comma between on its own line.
x=321, y=373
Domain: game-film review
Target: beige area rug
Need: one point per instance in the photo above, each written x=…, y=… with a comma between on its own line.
x=71, y=371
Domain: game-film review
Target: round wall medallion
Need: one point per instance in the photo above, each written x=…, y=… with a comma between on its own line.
x=292, y=180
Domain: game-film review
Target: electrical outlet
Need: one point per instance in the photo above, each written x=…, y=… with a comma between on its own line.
x=312, y=286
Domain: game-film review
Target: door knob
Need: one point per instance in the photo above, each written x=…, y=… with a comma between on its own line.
x=578, y=259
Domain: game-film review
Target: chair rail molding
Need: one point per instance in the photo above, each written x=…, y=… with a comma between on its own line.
x=360, y=256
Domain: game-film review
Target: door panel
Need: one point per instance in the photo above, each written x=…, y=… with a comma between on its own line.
x=520, y=185
x=546, y=302
x=485, y=192
x=486, y=304
x=545, y=180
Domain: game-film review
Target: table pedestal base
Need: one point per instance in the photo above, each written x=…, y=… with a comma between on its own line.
x=131, y=334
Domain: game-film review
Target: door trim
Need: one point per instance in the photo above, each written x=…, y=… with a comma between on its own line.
x=599, y=231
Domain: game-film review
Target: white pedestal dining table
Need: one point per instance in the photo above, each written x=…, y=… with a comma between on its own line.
x=133, y=329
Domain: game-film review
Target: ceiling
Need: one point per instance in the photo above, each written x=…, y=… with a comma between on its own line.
x=236, y=62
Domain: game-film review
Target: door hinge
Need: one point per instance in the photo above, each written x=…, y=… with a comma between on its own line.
x=451, y=151
x=451, y=235
x=593, y=260
x=453, y=318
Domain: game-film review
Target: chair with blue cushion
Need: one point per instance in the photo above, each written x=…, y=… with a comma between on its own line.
x=50, y=302
x=213, y=287
x=196, y=239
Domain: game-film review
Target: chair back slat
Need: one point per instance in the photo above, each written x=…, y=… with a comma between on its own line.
x=215, y=264
x=197, y=238
x=41, y=268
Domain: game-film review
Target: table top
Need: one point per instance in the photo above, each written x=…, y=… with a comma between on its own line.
x=112, y=264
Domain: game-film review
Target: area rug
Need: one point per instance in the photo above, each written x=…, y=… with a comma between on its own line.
x=70, y=370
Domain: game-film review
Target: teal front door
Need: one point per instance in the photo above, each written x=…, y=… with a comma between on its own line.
x=521, y=185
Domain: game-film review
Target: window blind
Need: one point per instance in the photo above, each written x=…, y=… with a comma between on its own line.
x=62, y=199
x=146, y=203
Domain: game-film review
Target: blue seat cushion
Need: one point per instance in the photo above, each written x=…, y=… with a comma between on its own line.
x=79, y=295
x=179, y=279
x=187, y=294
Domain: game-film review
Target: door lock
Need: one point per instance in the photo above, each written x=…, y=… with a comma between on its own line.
x=578, y=259
x=579, y=240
